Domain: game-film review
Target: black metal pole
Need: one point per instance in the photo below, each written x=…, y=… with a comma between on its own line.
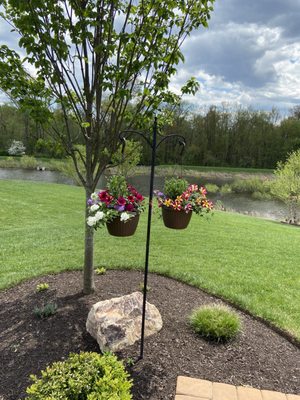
x=148, y=235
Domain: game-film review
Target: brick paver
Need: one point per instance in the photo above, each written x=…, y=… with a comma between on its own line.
x=200, y=389
x=222, y=391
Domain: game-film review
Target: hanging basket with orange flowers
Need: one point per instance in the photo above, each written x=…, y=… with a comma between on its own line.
x=180, y=200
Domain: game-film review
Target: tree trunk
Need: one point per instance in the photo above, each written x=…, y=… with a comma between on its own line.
x=88, y=270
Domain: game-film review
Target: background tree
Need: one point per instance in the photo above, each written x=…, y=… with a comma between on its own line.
x=94, y=58
x=286, y=186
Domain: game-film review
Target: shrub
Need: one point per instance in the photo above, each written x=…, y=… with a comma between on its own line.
x=212, y=188
x=28, y=162
x=9, y=162
x=46, y=311
x=17, y=148
x=82, y=376
x=249, y=186
x=215, y=322
x=225, y=189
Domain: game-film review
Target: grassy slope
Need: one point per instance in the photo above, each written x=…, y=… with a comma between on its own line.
x=250, y=261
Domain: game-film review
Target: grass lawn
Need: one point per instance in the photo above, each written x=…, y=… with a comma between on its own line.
x=252, y=262
x=199, y=168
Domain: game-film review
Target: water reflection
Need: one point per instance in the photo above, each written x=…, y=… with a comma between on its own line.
x=271, y=209
x=33, y=175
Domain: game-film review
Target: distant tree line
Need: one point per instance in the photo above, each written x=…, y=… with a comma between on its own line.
x=217, y=137
x=235, y=138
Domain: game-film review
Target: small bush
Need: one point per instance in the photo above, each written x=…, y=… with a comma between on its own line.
x=9, y=162
x=216, y=323
x=250, y=186
x=212, y=188
x=17, y=148
x=41, y=287
x=225, y=189
x=28, y=162
x=82, y=376
x=45, y=311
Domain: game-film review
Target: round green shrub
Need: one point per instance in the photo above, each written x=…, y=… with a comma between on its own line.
x=84, y=376
x=215, y=322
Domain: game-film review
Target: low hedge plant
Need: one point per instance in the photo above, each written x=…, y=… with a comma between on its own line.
x=84, y=376
x=215, y=322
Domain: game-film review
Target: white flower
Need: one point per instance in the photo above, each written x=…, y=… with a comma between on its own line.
x=91, y=221
x=94, y=207
x=94, y=196
x=125, y=216
x=99, y=215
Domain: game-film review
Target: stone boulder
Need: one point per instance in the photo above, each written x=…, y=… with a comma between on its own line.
x=116, y=323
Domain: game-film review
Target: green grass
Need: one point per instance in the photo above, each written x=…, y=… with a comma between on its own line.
x=251, y=262
x=220, y=169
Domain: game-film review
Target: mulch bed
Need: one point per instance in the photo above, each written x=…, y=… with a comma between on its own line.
x=259, y=357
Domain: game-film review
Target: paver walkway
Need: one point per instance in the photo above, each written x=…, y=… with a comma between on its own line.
x=199, y=389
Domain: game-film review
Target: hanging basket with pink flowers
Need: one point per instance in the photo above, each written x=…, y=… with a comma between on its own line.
x=179, y=200
x=118, y=207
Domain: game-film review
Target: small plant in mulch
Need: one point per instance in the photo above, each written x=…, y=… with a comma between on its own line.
x=215, y=322
x=45, y=311
x=41, y=287
x=100, y=271
x=141, y=287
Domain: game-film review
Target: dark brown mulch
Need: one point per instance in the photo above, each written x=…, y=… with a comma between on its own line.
x=259, y=357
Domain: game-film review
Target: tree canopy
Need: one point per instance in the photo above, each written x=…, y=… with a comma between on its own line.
x=106, y=63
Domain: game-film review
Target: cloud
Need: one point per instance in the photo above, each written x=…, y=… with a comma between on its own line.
x=249, y=55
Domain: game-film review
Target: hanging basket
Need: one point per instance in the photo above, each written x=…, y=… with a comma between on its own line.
x=121, y=228
x=176, y=219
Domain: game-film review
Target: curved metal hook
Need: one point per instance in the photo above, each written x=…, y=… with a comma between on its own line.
x=122, y=135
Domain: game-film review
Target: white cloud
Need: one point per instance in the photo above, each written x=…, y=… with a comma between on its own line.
x=250, y=55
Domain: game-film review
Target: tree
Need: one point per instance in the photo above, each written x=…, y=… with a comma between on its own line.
x=107, y=64
x=286, y=186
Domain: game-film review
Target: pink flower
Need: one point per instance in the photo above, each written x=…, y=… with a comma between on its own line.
x=193, y=188
x=203, y=190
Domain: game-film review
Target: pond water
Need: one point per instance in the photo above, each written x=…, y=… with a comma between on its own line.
x=270, y=209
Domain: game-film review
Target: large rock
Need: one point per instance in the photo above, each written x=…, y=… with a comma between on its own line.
x=116, y=323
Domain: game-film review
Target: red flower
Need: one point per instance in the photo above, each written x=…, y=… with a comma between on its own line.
x=130, y=199
x=121, y=201
x=139, y=197
x=132, y=190
x=129, y=207
x=103, y=196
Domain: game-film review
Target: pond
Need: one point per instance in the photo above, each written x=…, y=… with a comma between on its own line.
x=270, y=209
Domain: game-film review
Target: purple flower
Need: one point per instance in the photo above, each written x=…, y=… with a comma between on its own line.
x=90, y=202
x=119, y=208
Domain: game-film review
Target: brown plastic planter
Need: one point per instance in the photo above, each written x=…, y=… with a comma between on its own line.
x=176, y=219
x=120, y=228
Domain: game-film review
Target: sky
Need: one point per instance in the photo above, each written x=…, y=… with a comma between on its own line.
x=249, y=56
